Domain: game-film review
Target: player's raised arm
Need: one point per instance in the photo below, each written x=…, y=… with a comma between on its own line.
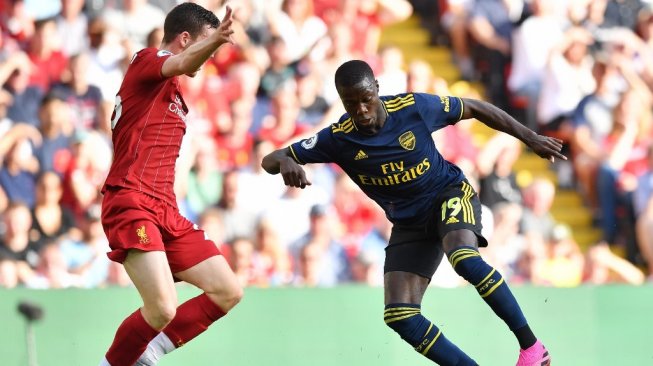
x=281, y=161
x=494, y=117
x=195, y=54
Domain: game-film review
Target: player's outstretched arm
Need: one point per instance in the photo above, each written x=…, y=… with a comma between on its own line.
x=494, y=117
x=193, y=57
x=281, y=161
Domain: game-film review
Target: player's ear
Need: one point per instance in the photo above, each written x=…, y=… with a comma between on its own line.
x=376, y=82
x=184, y=39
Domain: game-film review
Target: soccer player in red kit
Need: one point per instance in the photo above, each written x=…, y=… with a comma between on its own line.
x=146, y=232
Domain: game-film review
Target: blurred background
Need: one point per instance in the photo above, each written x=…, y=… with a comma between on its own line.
x=581, y=70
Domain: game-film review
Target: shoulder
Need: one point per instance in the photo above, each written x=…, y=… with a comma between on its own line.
x=394, y=103
x=344, y=126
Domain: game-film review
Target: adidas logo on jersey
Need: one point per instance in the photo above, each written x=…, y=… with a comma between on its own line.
x=452, y=220
x=361, y=155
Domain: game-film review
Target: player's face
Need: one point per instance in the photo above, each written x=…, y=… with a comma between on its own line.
x=362, y=103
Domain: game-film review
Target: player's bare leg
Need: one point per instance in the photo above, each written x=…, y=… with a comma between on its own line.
x=461, y=247
x=150, y=273
x=222, y=292
x=403, y=297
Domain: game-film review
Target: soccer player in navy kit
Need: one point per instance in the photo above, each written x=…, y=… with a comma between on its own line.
x=384, y=144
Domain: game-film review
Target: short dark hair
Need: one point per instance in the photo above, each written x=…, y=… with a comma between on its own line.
x=353, y=72
x=187, y=17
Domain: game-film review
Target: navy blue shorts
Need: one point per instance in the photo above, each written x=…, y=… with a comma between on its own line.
x=418, y=249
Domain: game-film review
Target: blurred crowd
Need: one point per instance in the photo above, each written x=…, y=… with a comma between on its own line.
x=579, y=69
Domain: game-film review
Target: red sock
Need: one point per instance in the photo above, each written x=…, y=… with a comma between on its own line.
x=130, y=341
x=192, y=318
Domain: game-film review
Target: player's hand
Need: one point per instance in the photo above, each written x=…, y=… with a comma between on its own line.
x=225, y=31
x=547, y=147
x=293, y=174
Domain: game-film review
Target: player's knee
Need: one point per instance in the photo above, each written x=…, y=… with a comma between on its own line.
x=160, y=315
x=227, y=297
x=406, y=320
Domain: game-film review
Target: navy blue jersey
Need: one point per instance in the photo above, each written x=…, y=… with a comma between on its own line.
x=399, y=168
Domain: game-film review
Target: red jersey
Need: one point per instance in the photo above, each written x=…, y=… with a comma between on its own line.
x=148, y=122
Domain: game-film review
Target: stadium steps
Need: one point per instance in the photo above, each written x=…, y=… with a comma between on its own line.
x=568, y=205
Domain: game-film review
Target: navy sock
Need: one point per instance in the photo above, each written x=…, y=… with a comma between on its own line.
x=424, y=336
x=467, y=262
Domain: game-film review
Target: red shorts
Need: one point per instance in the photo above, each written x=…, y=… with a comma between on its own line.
x=135, y=220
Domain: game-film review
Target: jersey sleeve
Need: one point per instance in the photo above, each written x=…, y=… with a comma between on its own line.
x=319, y=148
x=149, y=62
x=439, y=111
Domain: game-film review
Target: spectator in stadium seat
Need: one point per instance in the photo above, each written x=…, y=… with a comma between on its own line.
x=51, y=221
x=537, y=223
x=625, y=159
x=18, y=173
x=242, y=262
x=562, y=264
x=234, y=141
x=48, y=62
x=297, y=25
x=313, y=105
x=86, y=258
x=279, y=71
x=135, y=20
x=455, y=21
x=83, y=177
x=272, y=261
x=84, y=100
x=532, y=42
x=25, y=99
x=16, y=245
x=507, y=246
x=490, y=26
x=592, y=122
x=72, y=25
x=204, y=178
x=55, y=151
x=566, y=80
x=321, y=258
x=392, y=76
x=257, y=189
x=367, y=259
x=605, y=267
x=108, y=57
x=238, y=221
x=498, y=182
x=283, y=124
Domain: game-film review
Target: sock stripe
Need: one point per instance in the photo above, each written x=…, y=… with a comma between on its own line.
x=426, y=350
x=397, y=318
x=493, y=288
x=460, y=252
x=486, y=278
x=396, y=313
x=391, y=309
x=428, y=330
x=460, y=258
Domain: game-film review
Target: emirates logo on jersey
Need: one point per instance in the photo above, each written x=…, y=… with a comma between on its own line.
x=177, y=107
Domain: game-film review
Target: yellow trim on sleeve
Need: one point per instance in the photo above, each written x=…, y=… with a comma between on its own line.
x=462, y=108
x=294, y=156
